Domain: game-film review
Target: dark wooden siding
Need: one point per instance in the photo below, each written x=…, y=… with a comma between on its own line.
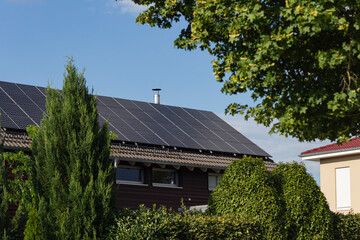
x=194, y=191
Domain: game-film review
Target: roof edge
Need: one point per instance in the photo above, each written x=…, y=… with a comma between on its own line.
x=330, y=154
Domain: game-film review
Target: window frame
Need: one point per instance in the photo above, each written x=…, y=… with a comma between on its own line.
x=218, y=177
x=341, y=192
x=154, y=184
x=126, y=182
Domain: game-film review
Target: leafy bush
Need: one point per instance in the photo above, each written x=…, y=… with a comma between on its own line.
x=16, y=191
x=145, y=223
x=247, y=191
x=4, y=219
x=307, y=214
x=346, y=226
x=202, y=226
x=159, y=223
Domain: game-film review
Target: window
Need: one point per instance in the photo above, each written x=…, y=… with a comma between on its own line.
x=343, y=201
x=129, y=175
x=213, y=180
x=165, y=177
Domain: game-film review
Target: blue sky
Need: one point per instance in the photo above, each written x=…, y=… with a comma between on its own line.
x=121, y=59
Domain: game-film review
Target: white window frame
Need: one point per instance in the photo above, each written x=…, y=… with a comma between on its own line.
x=343, y=188
x=139, y=183
x=166, y=184
x=218, y=175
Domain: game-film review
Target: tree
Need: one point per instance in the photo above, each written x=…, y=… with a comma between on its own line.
x=307, y=214
x=299, y=59
x=72, y=172
x=33, y=230
x=246, y=190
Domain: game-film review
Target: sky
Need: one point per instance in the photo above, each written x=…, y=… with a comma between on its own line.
x=121, y=59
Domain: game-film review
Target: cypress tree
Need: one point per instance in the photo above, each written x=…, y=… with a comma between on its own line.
x=71, y=169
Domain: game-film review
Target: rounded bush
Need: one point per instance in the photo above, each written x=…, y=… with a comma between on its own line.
x=247, y=191
x=307, y=214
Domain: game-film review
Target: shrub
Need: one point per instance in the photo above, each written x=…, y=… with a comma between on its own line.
x=14, y=191
x=145, y=223
x=159, y=223
x=4, y=219
x=203, y=226
x=346, y=226
x=307, y=214
x=247, y=191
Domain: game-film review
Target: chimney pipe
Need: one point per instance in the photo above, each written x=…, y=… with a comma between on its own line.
x=156, y=95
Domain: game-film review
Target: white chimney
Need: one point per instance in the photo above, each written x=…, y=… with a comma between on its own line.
x=156, y=95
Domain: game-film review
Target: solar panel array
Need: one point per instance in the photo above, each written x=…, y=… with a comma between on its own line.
x=134, y=121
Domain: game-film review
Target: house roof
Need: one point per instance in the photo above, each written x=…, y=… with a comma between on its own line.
x=155, y=155
x=334, y=147
x=134, y=122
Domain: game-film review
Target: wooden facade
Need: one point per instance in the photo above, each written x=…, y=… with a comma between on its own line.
x=192, y=189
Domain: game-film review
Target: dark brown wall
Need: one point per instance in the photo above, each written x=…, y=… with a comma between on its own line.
x=194, y=191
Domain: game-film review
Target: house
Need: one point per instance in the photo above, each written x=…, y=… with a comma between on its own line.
x=339, y=174
x=162, y=153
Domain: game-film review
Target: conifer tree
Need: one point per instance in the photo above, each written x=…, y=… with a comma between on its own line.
x=71, y=168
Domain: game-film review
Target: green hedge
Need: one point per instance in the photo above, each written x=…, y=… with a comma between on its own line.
x=246, y=190
x=159, y=223
x=346, y=227
x=307, y=214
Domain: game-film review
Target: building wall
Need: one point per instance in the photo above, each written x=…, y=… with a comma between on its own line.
x=193, y=190
x=328, y=180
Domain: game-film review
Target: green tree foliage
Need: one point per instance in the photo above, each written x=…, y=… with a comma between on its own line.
x=299, y=59
x=247, y=191
x=307, y=214
x=33, y=230
x=72, y=173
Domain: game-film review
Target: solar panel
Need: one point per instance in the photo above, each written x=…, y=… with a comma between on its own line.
x=144, y=106
x=22, y=122
x=12, y=109
x=170, y=139
x=152, y=138
x=206, y=144
x=42, y=90
x=196, y=114
x=7, y=122
x=225, y=146
x=10, y=88
x=135, y=121
x=128, y=104
x=107, y=101
x=159, y=118
x=4, y=98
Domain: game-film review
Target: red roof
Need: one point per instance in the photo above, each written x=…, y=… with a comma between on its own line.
x=353, y=143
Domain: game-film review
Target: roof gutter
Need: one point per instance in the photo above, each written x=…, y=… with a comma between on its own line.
x=330, y=154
